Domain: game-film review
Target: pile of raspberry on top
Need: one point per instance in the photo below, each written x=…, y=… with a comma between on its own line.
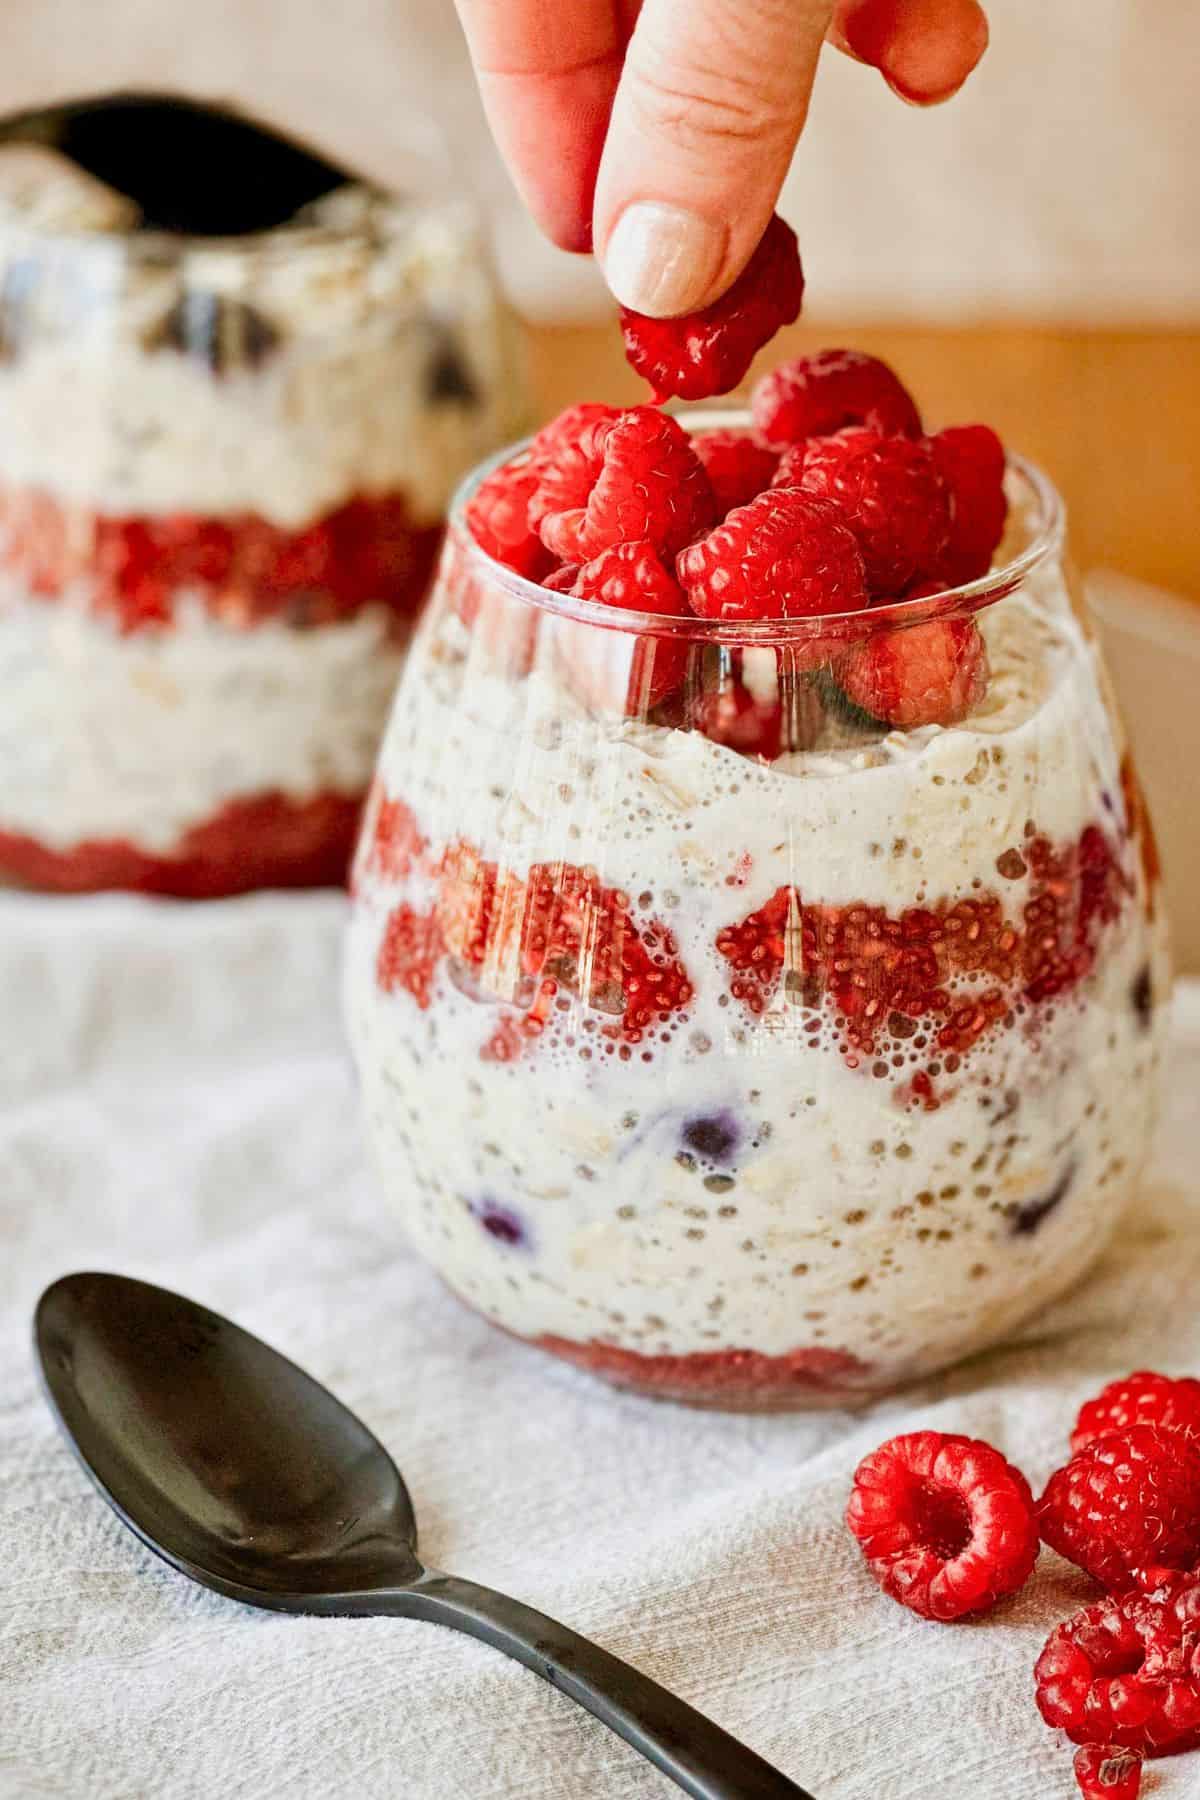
x=833, y=501
x=949, y=1528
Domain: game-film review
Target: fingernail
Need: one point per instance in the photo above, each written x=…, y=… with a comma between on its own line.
x=662, y=259
x=919, y=96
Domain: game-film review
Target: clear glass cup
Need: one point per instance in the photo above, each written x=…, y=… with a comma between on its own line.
x=732, y=1041
x=225, y=464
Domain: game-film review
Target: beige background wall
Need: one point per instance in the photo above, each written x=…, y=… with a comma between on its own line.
x=1061, y=184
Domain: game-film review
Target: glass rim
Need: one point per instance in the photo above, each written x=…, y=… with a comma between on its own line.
x=970, y=597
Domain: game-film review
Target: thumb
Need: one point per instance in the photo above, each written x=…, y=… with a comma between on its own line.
x=711, y=101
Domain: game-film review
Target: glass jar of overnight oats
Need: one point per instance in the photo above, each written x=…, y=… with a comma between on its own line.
x=225, y=462
x=722, y=1037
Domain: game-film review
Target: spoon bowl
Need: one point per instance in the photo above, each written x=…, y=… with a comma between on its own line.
x=247, y=1475
x=223, y=1456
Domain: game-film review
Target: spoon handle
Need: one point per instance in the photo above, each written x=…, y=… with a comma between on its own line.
x=705, y=1761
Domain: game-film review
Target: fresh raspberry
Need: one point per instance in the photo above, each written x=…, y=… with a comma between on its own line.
x=705, y=353
x=785, y=555
x=562, y=579
x=739, y=465
x=632, y=577
x=889, y=492
x=1126, y=1671
x=498, y=518
x=819, y=394
x=1106, y=1772
x=623, y=480
x=971, y=461
x=498, y=511
x=1143, y=1398
x=931, y=674
x=568, y=427
x=1128, y=1504
x=945, y=1523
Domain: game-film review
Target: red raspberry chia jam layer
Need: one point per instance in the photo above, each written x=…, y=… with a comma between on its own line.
x=266, y=841
x=369, y=551
x=918, y=987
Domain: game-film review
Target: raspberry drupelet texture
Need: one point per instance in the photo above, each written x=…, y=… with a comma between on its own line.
x=785, y=555
x=621, y=481
x=739, y=465
x=633, y=577
x=890, y=493
x=498, y=518
x=1107, y=1772
x=1126, y=1672
x=930, y=674
x=817, y=395
x=1143, y=1398
x=970, y=459
x=568, y=426
x=708, y=352
x=1127, y=1507
x=945, y=1523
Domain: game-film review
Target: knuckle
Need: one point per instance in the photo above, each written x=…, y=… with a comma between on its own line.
x=700, y=102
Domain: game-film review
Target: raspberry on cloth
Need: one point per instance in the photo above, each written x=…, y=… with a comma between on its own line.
x=1107, y=1772
x=1126, y=1504
x=1143, y=1398
x=1126, y=1672
x=945, y=1523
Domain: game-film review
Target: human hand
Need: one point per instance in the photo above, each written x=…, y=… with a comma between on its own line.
x=659, y=132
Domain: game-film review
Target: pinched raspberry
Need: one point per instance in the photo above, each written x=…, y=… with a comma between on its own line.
x=785, y=555
x=1143, y=1398
x=633, y=577
x=945, y=1523
x=889, y=492
x=738, y=464
x=930, y=674
x=1127, y=1507
x=1106, y=1772
x=1126, y=1672
x=971, y=461
x=705, y=353
x=498, y=518
x=622, y=480
x=819, y=394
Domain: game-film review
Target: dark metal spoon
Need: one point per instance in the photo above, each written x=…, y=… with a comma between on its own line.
x=243, y=1472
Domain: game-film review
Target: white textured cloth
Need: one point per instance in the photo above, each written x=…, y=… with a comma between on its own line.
x=175, y=1102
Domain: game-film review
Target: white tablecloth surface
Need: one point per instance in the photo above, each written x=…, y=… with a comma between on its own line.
x=176, y=1102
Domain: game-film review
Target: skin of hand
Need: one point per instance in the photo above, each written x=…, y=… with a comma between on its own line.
x=659, y=132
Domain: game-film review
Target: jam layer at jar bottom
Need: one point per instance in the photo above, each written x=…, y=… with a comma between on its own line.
x=267, y=840
x=730, y=1380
